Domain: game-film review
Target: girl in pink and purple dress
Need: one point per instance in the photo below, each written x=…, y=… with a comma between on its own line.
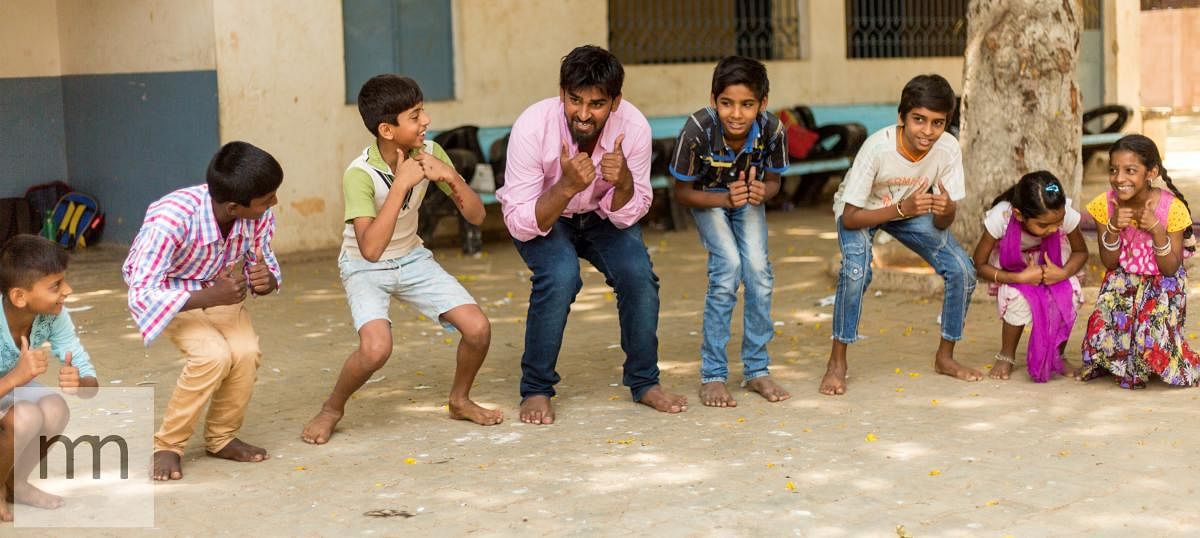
x=1031, y=251
x=1145, y=233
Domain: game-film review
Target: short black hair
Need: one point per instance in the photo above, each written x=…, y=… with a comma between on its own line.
x=733, y=70
x=928, y=91
x=383, y=97
x=241, y=172
x=589, y=66
x=26, y=258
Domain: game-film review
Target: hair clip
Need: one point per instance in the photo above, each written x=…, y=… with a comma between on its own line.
x=1053, y=187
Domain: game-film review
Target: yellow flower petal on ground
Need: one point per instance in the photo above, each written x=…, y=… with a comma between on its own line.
x=614, y=398
x=409, y=461
x=608, y=296
x=807, y=430
x=934, y=402
x=908, y=330
x=992, y=502
x=770, y=465
x=509, y=295
x=791, y=486
x=897, y=370
x=914, y=374
x=301, y=468
x=871, y=438
x=741, y=420
x=421, y=317
x=935, y=472
x=899, y=389
x=448, y=340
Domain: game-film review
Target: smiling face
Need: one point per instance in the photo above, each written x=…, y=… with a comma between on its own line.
x=47, y=295
x=587, y=110
x=410, y=127
x=1128, y=176
x=922, y=127
x=1043, y=225
x=737, y=107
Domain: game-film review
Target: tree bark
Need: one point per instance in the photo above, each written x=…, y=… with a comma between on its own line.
x=1020, y=105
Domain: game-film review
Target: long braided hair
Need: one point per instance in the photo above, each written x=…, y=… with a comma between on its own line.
x=1147, y=152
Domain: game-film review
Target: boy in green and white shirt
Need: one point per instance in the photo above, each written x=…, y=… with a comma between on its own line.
x=382, y=256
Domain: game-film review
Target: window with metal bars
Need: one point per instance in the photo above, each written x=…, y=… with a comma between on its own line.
x=905, y=28
x=701, y=31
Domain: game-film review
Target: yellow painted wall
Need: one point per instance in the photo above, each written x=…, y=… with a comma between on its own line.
x=135, y=36
x=29, y=39
x=281, y=84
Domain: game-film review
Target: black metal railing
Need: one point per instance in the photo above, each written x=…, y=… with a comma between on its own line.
x=905, y=28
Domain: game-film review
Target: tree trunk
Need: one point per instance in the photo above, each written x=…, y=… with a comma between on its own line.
x=1021, y=105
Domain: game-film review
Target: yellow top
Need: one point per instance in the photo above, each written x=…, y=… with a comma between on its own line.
x=1178, y=217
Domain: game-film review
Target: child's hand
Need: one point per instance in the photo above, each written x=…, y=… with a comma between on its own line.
x=577, y=172
x=757, y=189
x=68, y=376
x=434, y=168
x=613, y=167
x=1123, y=219
x=1031, y=274
x=408, y=173
x=30, y=363
x=920, y=202
x=229, y=287
x=739, y=192
x=1146, y=219
x=1051, y=272
x=941, y=203
x=262, y=280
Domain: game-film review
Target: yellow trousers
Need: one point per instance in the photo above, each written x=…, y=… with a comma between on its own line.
x=222, y=354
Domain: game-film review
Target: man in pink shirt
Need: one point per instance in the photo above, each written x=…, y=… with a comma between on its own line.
x=577, y=180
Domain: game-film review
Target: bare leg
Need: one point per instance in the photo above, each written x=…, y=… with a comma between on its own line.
x=476, y=332
x=28, y=423
x=1010, y=336
x=834, y=382
x=374, y=348
x=944, y=363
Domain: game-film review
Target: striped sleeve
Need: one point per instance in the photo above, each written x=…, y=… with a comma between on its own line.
x=151, y=302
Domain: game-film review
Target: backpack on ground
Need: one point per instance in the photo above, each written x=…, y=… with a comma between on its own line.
x=42, y=198
x=77, y=220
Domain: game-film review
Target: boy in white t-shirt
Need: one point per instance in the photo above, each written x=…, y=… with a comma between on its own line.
x=906, y=181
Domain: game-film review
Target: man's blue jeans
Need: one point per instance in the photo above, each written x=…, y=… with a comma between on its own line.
x=937, y=247
x=736, y=240
x=554, y=260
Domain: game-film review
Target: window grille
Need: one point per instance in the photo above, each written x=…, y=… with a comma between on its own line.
x=701, y=31
x=905, y=28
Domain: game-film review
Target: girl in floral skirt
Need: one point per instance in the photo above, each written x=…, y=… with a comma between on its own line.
x=1144, y=233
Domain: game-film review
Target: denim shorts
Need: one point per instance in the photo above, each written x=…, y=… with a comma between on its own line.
x=415, y=278
x=35, y=395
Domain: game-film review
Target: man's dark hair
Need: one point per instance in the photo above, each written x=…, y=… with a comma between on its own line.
x=928, y=91
x=241, y=172
x=384, y=97
x=26, y=258
x=590, y=66
x=733, y=70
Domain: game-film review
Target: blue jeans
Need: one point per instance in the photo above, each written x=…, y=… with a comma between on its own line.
x=938, y=247
x=554, y=260
x=736, y=240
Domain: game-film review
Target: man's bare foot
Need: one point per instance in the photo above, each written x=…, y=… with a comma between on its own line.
x=714, y=394
x=237, y=450
x=1001, y=368
x=768, y=388
x=469, y=410
x=320, y=428
x=661, y=400
x=167, y=466
x=537, y=410
x=26, y=493
x=834, y=382
x=948, y=366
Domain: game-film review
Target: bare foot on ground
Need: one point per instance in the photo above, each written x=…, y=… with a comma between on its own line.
x=1001, y=369
x=661, y=400
x=27, y=494
x=950, y=367
x=715, y=394
x=237, y=450
x=319, y=430
x=537, y=410
x=834, y=382
x=1070, y=370
x=469, y=410
x=167, y=466
x=768, y=389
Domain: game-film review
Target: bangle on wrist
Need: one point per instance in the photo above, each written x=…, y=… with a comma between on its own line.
x=899, y=211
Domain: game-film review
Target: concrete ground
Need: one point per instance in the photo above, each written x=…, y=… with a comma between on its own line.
x=905, y=452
